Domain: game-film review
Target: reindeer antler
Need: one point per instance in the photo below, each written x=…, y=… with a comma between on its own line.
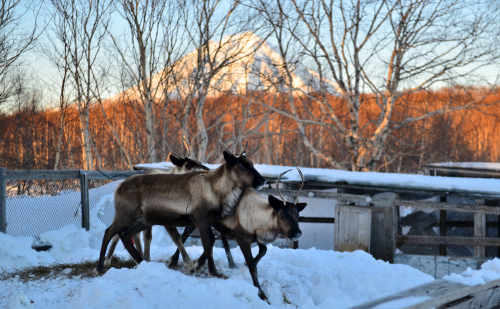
x=171, y=150
x=187, y=146
x=278, y=186
x=243, y=151
x=301, y=186
x=251, y=152
x=224, y=144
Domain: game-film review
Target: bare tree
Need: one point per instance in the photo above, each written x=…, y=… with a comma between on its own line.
x=374, y=53
x=17, y=36
x=140, y=53
x=80, y=31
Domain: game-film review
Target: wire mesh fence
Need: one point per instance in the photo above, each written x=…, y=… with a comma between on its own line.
x=101, y=199
x=456, y=228
x=37, y=206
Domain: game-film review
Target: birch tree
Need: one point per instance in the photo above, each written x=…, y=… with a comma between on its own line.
x=16, y=38
x=381, y=51
x=79, y=35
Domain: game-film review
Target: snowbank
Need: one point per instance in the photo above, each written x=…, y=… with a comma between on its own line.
x=472, y=165
x=403, y=181
x=306, y=278
x=489, y=271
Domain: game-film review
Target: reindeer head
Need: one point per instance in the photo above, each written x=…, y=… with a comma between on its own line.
x=241, y=170
x=185, y=164
x=287, y=213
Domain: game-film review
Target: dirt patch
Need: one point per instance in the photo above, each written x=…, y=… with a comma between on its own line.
x=70, y=270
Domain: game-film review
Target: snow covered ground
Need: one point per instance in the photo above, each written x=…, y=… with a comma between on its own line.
x=489, y=271
x=305, y=278
x=309, y=279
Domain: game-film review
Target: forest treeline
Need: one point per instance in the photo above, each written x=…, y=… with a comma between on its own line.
x=30, y=133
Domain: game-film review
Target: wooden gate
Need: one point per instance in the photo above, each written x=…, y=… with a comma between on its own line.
x=352, y=228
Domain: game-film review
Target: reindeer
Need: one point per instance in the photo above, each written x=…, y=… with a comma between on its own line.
x=200, y=198
x=182, y=165
x=258, y=220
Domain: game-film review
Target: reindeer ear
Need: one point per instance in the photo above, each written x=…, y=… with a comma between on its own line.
x=301, y=206
x=230, y=159
x=176, y=160
x=277, y=204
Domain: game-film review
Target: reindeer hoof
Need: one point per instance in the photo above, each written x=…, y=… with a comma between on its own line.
x=99, y=271
x=219, y=275
x=172, y=265
x=263, y=296
x=233, y=266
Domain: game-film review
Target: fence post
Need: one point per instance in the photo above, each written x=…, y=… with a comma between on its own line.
x=84, y=188
x=289, y=186
x=3, y=201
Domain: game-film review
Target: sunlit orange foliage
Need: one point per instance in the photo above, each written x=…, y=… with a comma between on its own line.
x=29, y=135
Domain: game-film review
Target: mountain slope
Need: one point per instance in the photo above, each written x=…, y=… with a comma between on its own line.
x=251, y=65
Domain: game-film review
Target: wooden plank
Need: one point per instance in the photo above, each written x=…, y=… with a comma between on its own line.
x=479, y=231
x=352, y=248
x=316, y=220
x=442, y=230
x=446, y=240
x=42, y=174
x=111, y=175
x=331, y=195
x=352, y=228
x=491, y=195
x=498, y=232
x=68, y=174
x=84, y=188
x=364, y=229
x=336, y=233
x=3, y=201
x=381, y=245
x=442, y=294
x=449, y=206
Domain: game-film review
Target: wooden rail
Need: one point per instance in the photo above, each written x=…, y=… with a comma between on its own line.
x=3, y=201
x=68, y=174
x=446, y=240
x=441, y=294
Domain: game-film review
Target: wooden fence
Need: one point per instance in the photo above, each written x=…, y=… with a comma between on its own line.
x=441, y=294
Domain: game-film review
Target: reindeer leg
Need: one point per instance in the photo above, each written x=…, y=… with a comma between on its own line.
x=126, y=237
x=262, y=252
x=175, y=258
x=208, y=240
x=147, y=236
x=111, y=250
x=247, y=253
x=229, y=256
x=108, y=234
x=137, y=243
x=174, y=234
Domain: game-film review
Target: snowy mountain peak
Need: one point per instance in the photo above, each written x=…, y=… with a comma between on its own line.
x=240, y=63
